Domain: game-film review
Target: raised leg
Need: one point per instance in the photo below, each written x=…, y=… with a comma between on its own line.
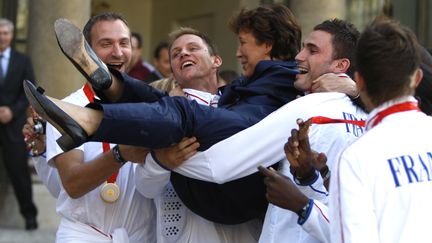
x=78, y=51
x=75, y=123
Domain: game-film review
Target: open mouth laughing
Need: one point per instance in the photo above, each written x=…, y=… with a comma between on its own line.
x=187, y=64
x=302, y=69
x=116, y=66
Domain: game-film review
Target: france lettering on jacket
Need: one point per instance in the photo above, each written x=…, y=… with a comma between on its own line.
x=352, y=128
x=408, y=169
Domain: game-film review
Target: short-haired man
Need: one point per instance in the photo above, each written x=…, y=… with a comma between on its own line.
x=383, y=188
x=176, y=222
x=329, y=48
x=99, y=200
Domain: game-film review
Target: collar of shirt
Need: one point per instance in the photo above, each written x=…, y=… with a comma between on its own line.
x=202, y=97
x=386, y=105
x=6, y=54
x=150, y=67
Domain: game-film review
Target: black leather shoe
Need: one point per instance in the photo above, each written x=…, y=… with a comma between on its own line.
x=78, y=51
x=31, y=223
x=73, y=135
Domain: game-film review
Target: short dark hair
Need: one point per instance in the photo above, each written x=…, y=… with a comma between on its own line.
x=228, y=75
x=162, y=45
x=138, y=37
x=272, y=24
x=344, y=39
x=387, y=55
x=190, y=31
x=111, y=16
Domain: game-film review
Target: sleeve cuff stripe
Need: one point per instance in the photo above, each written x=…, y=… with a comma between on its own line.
x=324, y=216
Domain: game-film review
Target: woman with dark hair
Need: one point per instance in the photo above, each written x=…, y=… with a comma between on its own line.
x=265, y=33
x=269, y=39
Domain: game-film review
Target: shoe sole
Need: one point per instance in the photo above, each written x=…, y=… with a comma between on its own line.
x=74, y=46
x=66, y=141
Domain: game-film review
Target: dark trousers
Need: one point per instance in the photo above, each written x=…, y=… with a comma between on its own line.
x=167, y=121
x=15, y=160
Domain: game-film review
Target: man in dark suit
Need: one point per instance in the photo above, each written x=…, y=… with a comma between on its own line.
x=14, y=68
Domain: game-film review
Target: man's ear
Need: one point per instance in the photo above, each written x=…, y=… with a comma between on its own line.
x=342, y=65
x=217, y=61
x=359, y=81
x=268, y=47
x=418, y=77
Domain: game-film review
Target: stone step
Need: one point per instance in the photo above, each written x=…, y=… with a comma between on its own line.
x=12, y=224
x=14, y=235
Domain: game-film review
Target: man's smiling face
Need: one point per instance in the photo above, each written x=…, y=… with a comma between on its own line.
x=111, y=42
x=191, y=60
x=315, y=59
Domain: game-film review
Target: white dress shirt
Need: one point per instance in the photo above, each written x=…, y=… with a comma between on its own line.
x=131, y=213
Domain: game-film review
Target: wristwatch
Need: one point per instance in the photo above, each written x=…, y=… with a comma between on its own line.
x=325, y=173
x=117, y=156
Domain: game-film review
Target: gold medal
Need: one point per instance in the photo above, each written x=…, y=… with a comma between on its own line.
x=110, y=192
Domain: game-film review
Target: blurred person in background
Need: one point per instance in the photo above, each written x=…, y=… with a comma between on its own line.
x=161, y=63
x=14, y=68
x=138, y=68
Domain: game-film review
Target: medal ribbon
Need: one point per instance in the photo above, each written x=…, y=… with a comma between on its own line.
x=105, y=146
x=406, y=106
x=326, y=120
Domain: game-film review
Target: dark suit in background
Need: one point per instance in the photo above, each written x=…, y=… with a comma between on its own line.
x=14, y=151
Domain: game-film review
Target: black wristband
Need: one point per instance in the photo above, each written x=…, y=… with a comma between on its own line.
x=117, y=156
x=303, y=212
x=305, y=180
x=325, y=173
